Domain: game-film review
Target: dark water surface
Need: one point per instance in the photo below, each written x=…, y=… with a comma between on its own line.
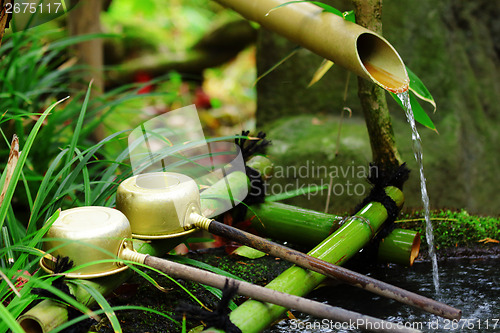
x=472, y=285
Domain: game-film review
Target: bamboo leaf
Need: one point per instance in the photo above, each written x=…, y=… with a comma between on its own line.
x=321, y=71
x=349, y=15
x=418, y=112
x=325, y=7
x=419, y=89
x=248, y=252
x=218, y=293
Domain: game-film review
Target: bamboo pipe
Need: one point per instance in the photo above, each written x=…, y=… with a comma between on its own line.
x=253, y=316
x=292, y=224
x=347, y=44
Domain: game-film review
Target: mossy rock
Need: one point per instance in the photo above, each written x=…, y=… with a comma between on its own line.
x=304, y=149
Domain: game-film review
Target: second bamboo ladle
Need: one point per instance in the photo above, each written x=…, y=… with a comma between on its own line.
x=164, y=204
x=92, y=237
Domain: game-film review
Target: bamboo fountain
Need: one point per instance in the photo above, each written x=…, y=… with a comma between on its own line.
x=369, y=56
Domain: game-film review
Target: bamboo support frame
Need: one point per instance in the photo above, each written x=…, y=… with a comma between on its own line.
x=254, y=316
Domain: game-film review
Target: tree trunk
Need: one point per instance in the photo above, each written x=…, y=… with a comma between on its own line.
x=372, y=97
x=85, y=19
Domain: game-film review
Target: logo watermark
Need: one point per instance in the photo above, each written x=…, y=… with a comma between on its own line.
x=313, y=179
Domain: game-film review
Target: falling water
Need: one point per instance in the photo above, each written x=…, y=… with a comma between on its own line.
x=417, y=151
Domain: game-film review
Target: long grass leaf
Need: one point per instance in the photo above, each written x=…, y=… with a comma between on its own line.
x=22, y=160
x=288, y=56
x=99, y=298
x=43, y=191
x=9, y=320
x=64, y=43
x=78, y=127
x=34, y=240
x=199, y=264
x=132, y=264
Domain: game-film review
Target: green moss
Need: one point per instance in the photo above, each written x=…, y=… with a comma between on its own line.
x=454, y=228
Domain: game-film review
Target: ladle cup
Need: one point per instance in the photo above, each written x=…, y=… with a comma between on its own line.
x=88, y=234
x=161, y=204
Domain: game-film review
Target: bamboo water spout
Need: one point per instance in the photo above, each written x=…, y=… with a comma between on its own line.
x=347, y=44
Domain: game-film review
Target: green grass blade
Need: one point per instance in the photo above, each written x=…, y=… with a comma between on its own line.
x=108, y=310
x=78, y=127
x=131, y=265
x=43, y=191
x=34, y=240
x=22, y=160
x=202, y=265
x=288, y=56
x=9, y=321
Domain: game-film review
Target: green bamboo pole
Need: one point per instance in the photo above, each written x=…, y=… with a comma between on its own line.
x=309, y=227
x=400, y=247
x=215, y=198
x=253, y=316
x=291, y=223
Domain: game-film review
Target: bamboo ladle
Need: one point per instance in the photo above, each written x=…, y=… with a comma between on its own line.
x=89, y=234
x=165, y=204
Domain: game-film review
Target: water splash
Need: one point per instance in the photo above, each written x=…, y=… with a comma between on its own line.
x=417, y=151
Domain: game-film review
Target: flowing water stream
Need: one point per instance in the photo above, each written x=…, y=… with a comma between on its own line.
x=417, y=151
